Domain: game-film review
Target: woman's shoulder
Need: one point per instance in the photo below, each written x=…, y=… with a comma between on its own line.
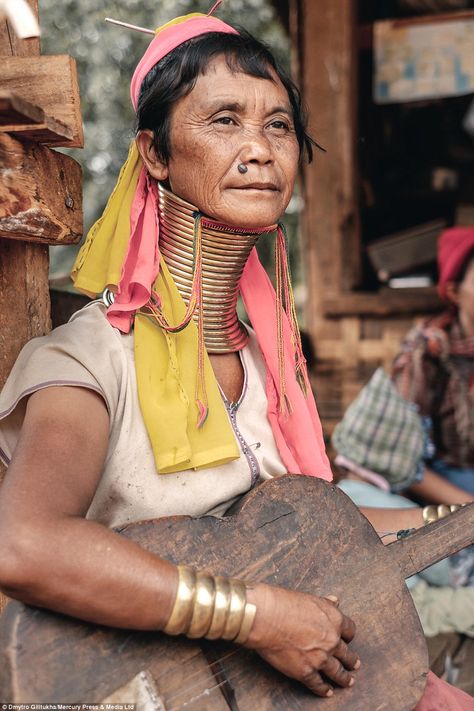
x=88, y=331
x=86, y=351
x=92, y=317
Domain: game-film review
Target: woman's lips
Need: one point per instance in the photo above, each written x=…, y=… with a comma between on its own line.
x=256, y=186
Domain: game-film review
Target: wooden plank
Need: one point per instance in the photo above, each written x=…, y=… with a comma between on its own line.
x=24, y=298
x=50, y=83
x=16, y=110
x=24, y=293
x=331, y=219
x=20, y=117
x=384, y=303
x=350, y=331
x=3, y=602
x=40, y=194
x=11, y=45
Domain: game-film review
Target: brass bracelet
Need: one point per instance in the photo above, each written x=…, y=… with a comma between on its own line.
x=183, y=607
x=235, y=615
x=210, y=606
x=204, y=600
x=221, y=608
x=434, y=513
x=247, y=623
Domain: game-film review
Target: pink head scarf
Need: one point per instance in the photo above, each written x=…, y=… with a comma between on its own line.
x=454, y=247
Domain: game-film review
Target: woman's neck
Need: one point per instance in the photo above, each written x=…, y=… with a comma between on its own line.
x=225, y=251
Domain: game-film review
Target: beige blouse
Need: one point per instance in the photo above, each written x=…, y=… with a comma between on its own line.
x=88, y=352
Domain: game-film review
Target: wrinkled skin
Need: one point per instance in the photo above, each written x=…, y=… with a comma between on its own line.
x=305, y=637
x=227, y=119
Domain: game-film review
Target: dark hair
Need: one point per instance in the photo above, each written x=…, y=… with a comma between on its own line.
x=176, y=74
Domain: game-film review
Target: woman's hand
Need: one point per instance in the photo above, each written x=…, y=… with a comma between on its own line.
x=303, y=636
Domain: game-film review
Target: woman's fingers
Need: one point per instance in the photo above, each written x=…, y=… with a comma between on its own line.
x=348, y=629
x=305, y=637
x=315, y=683
x=334, y=670
x=346, y=656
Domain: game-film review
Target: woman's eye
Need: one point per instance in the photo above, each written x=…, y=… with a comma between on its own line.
x=225, y=120
x=281, y=125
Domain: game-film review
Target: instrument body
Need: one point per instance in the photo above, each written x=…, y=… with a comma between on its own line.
x=297, y=532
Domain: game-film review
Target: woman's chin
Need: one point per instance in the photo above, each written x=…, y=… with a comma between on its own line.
x=248, y=215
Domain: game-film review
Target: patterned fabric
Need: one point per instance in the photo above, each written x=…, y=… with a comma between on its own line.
x=382, y=432
x=435, y=370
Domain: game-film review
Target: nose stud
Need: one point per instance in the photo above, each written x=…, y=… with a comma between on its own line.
x=242, y=168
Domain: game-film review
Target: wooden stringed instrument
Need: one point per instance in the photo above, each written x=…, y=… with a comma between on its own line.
x=298, y=532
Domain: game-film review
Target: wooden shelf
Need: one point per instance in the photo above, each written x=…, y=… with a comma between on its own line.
x=48, y=84
x=26, y=120
x=385, y=302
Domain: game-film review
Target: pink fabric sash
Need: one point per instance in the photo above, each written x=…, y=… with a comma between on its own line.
x=440, y=696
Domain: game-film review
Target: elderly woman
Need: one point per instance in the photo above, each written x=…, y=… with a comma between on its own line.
x=164, y=403
x=435, y=370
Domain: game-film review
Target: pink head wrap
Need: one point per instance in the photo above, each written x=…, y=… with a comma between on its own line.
x=454, y=247
x=168, y=39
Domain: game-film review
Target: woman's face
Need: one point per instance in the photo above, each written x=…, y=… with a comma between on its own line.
x=227, y=119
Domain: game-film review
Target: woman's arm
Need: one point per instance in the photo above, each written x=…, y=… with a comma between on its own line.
x=436, y=490
x=385, y=520
x=51, y=556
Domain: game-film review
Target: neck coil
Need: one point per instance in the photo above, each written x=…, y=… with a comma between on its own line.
x=225, y=251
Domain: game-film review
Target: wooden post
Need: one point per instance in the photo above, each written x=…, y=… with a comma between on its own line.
x=40, y=190
x=324, y=31
x=24, y=294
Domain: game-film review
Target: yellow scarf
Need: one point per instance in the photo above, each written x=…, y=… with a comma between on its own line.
x=166, y=366
x=166, y=363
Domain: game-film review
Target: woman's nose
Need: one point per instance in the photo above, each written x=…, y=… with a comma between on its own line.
x=256, y=149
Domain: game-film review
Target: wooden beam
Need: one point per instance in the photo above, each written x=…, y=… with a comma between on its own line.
x=49, y=82
x=24, y=299
x=40, y=194
x=385, y=303
x=27, y=121
x=24, y=293
x=11, y=45
x=24, y=307
x=331, y=220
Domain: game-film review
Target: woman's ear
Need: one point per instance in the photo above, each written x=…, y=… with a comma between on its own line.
x=452, y=292
x=155, y=165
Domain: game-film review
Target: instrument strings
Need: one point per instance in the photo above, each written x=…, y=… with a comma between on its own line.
x=202, y=676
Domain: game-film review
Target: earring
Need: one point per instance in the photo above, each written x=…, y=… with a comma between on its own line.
x=242, y=168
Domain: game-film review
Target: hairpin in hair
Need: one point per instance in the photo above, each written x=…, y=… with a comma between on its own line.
x=214, y=7
x=129, y=26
